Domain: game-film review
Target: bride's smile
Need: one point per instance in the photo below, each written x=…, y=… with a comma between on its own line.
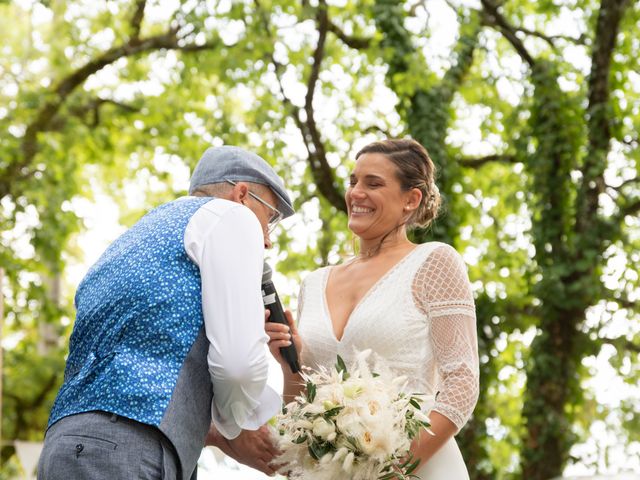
x=377, y=203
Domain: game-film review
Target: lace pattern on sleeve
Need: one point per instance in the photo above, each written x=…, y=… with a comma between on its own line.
x=442, y=292
x=300, y=303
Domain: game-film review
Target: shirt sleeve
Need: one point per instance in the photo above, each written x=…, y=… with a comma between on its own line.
x=225, y=240
x=445, y=295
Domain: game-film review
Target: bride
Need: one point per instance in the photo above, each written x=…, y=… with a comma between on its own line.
x=411, y=304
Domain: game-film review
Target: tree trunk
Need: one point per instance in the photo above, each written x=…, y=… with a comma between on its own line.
x=550, y=379
x=1, y=349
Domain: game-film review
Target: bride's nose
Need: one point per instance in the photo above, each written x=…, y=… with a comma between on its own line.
x=357, y=191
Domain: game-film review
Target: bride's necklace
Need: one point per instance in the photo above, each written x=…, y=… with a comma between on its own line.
x=370, y=252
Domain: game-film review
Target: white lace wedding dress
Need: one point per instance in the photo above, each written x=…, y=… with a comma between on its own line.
x=420, y=317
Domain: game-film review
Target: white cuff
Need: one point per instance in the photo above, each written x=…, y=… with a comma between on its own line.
x=250, y=414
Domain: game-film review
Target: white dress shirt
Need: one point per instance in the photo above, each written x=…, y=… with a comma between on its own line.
x=225, y=240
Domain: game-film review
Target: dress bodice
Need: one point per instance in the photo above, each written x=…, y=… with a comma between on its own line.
x=419, y=317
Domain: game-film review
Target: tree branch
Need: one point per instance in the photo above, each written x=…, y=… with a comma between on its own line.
x=611, y=295
x=598, y=117
x=377, y=129
x=19, y=169
x=622, y=343
x=357, y=43
x=463, y=54
x=102, y=101
x=450, y=4
x=40, y=397
x=495, y=18
x=629, y=141
x=624, y=184
x=322, y=20
x=481, y=161
x=94, y=105
x=550, y=39
x=321, y=171
x=136, y=20
x=631, y=209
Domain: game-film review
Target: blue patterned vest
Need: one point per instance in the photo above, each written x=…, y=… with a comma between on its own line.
x=138, y=347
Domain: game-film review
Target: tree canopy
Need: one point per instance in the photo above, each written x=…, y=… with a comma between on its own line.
x=530, y=109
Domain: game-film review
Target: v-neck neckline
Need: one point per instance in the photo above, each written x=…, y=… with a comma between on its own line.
x=374, y=285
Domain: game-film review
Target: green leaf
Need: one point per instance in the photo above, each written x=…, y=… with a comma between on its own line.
x=340, y=365
x=412, y=467
x=319, y=449
x=300, y=439
x=311, y=391
x=333, y=412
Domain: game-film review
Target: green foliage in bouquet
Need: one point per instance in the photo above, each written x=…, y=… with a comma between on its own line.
x=359, y=424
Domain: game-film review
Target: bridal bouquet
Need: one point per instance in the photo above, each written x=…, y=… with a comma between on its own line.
x=353, y=424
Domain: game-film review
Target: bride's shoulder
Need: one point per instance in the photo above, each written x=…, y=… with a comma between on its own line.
x=433, y=246
x=439, y=252
x=318, y=273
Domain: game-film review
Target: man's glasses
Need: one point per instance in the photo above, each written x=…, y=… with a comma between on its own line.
x=275, y=217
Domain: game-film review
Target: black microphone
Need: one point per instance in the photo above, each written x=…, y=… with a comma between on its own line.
x=272, y=302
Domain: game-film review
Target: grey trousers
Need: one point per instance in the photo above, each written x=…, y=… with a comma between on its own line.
x=105, y=446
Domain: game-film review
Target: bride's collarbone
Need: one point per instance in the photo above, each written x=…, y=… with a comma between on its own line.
x=363, y=272
x=349, y=283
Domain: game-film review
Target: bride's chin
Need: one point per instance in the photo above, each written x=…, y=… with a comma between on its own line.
x=358, y=224
x=356, y=229
x=364, y=234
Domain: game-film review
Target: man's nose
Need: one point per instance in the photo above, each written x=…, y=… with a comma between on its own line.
x=267, y=242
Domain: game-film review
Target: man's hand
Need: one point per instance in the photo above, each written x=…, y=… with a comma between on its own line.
x=252, y=448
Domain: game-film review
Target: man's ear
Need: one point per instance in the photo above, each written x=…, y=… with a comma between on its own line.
x=240, y=192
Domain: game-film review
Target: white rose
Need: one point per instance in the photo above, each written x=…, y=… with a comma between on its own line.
x=302, y=424
x=323, y=429
x=351, y=389
x=349, y=424
x=312, y=408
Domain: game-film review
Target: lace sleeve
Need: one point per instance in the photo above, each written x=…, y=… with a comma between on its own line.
x=300, y=302
x=442, y=291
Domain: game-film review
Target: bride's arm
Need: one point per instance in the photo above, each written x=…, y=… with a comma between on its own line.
x=443, y=292
x=293, y=384
x=281, y=336
x=426, y=445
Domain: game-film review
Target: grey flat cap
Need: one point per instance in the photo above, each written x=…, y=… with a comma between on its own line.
x=219, y=164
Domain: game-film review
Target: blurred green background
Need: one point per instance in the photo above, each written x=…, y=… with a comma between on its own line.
x=530, y=109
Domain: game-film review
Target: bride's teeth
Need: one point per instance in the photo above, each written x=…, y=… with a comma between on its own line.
x=355, y=209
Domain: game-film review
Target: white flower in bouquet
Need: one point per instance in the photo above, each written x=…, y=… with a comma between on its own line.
x=353, y=424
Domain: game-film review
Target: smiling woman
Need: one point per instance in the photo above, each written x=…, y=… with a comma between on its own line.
x=391, y=187
x=411, y=304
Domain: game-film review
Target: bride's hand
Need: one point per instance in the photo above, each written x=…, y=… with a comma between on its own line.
x=281, y=336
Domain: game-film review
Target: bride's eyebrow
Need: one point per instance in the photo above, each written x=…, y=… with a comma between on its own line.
x=374, y=177
x=370, y=176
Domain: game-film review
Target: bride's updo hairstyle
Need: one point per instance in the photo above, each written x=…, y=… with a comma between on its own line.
x=414, y=169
